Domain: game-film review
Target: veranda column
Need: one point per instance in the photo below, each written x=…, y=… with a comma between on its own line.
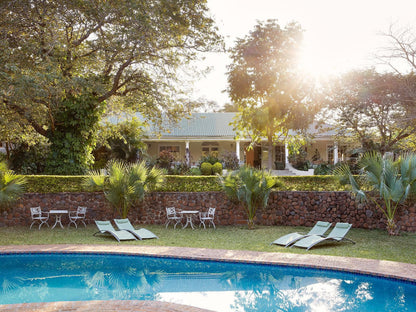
x=286, y=154
x=335, y=153
x=237, y=149
x=187, y=153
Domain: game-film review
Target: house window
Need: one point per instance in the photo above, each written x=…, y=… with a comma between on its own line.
x=210, y=150
x=279, y=153
x=173, y=149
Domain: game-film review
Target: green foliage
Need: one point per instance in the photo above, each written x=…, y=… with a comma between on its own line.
x=206, y=168
x=121, y=140
x=374, y=109
x=64, y=63
x=250, y=187
x=217, y=168
x=392, y=182
x=29, y=159
x=323, y=169
x=165, y=160
x=125, y=184
x=194, y=171
x=181, y=168
x=73, y=138
x=212, y=158
x=190, y=184
x=194, y=183
x=310, y=183
x=11, y=186
x=55, y=184
x=230, y=160
x=264, y=80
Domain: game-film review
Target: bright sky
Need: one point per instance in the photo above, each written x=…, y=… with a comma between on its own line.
x=339, y=34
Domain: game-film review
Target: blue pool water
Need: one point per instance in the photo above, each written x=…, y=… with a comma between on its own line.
x=219, y=286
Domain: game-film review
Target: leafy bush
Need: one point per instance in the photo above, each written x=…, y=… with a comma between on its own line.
x=323, y=169
x=211, y=158
x=194, y=171
x=29, y=159
x=206, y=168
x=181, y=168
x=165, y=159
x=217, y=168
x=11, y=186
x=230, y=161
x=250, y=187
x=126, y=184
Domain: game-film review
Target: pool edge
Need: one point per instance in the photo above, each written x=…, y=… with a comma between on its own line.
x=380, y=268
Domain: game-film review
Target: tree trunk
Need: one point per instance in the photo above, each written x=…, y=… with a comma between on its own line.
x=392, y=227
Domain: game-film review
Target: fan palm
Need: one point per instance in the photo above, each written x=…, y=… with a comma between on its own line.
x=11, y=186
x=126, y=184
x=392, y=181
x=249, y=186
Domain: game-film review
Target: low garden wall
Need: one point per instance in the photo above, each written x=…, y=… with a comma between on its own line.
x=284, y=208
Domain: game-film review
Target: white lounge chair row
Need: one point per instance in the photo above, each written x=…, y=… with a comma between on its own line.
x=125, y=231
x=316, y=235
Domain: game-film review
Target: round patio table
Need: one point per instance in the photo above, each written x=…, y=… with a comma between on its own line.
x=189, y=214
x=58, y=216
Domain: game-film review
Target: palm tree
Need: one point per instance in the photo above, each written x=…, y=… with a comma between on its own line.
x=11, y=186
x=251, y=187
x=126, y=184
x=383, y=178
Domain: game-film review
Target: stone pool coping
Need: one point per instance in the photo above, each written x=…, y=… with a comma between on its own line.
x=383, y=268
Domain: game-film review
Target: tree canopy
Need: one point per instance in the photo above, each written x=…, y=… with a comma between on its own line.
x=265, y=82
x=371, y=108
x=62, y=61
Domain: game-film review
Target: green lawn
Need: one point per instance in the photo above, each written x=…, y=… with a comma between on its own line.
x=373, y=244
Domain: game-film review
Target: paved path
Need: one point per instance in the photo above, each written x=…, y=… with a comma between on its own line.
x=384, y=268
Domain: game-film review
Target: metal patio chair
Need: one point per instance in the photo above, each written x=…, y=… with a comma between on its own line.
x=207, y=216
x=76, y=216
x=171, y=215
x=39, y=216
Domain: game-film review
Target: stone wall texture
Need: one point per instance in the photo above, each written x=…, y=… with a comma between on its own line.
x=284, y=208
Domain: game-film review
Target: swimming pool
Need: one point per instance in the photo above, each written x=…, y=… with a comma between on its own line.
x=220, y=286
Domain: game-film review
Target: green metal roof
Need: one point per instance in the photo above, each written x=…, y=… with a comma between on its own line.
x=202, y=125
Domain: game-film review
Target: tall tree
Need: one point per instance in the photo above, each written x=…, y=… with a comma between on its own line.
x=62, y=61
x=265, y=83
x=372, y=108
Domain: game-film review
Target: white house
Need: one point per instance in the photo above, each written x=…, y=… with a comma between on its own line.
x=205, y=133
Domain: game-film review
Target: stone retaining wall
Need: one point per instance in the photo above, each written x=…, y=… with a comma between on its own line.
x=284, y=208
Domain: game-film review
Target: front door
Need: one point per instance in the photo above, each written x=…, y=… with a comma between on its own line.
x=253, y=157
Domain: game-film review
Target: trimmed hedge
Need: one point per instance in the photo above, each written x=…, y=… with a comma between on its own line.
x=311, y=183
x=58, y=184
x=54, y=184
x=190, y=184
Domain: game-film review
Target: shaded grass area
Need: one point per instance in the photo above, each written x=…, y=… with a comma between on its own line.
x=372, y=244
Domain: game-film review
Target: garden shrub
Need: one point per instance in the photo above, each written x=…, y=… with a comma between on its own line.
x=212, y=158
x=194, y=171
x=206, y=168
x=323, y=169
x=230, y=161
x=217, y=168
